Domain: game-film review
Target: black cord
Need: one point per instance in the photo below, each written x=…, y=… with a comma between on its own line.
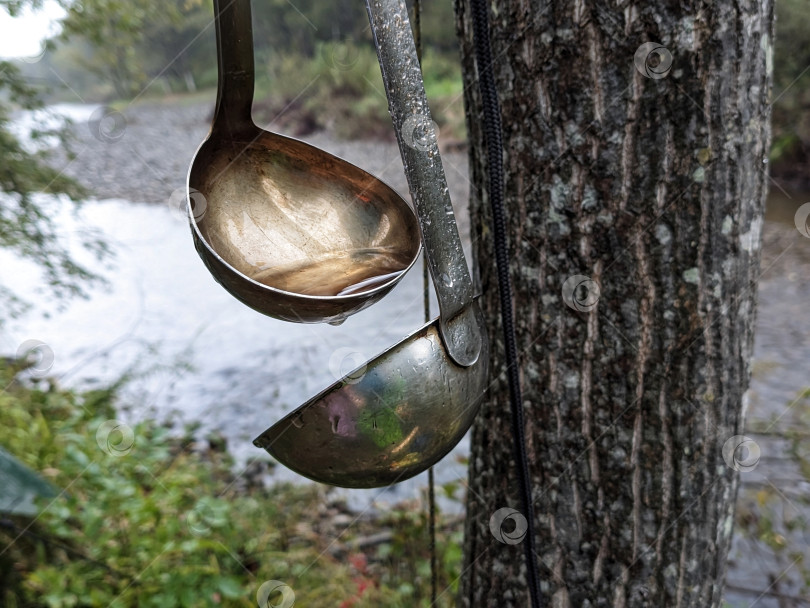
x=434, y=572
x=493, y=139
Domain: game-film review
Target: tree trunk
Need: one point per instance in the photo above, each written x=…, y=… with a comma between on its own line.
x=650, y=185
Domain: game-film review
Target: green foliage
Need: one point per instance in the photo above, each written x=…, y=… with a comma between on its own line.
x=340, y=89
x=26, y=225
x=13, y=7
x=779, y=519
x=407, y=563
x=117, y=30
x=282, y=27
x=164, y=522
x=791, y=86
x=315, y=61
x=139, y=41
x=442, y=75
x=177, y=46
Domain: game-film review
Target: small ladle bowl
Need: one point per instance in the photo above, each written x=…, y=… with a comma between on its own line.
x=386, y=421
x=290, y=230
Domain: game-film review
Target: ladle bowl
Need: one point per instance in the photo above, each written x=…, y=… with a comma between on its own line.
x=386, y=421
x=297, y=233
x=290, y=230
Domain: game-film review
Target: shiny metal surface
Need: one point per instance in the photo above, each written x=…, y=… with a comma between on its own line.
x=290, y=230
x=386, y=421
x=419, y=148
x=408, y=407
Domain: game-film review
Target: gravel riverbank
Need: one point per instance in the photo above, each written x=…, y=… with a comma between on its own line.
x=142, y=154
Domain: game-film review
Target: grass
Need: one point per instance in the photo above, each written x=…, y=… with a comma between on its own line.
x=775, y=518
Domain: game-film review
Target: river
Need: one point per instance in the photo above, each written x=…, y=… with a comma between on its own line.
x=194, y=353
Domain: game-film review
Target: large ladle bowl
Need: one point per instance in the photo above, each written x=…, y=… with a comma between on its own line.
x=405, y=409
x=290, y=230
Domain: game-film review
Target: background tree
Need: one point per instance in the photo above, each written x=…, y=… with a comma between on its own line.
x=26, y=225
x=650, y=181
x=790, y=153
x=174, y=47
x=116, y=30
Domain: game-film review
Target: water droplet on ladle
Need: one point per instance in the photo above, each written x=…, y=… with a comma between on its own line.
x=369, y=283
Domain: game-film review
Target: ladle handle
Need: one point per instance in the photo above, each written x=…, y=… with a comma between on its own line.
x=418, y=146
x=234, y=29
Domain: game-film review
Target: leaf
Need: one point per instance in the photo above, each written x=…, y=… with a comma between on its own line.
x=230, y=587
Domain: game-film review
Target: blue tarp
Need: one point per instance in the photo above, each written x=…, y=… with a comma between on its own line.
x=20, y=486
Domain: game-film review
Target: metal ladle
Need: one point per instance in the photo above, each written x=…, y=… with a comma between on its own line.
x=408, y=407
x=288, y=229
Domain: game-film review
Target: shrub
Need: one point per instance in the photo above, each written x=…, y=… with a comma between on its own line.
x=150, y=518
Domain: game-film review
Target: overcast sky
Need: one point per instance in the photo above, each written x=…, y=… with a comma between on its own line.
x=23, y=35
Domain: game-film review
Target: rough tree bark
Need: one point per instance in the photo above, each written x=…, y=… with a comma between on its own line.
x=653, y=186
